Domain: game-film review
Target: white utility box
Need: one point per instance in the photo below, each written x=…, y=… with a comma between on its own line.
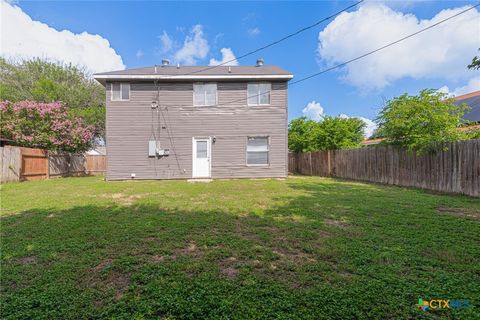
x=152, y=148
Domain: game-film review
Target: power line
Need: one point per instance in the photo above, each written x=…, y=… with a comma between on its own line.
x=383, y=47
x=361, y=56
x=279, y=40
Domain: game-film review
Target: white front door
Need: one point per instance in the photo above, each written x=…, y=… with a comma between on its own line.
x=201, y=158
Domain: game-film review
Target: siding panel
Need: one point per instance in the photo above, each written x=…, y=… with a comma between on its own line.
x=129, y=127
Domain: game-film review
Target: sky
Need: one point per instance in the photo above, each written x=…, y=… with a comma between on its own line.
x=114, y=35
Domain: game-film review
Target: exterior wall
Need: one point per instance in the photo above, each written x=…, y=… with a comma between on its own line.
x=129, y=126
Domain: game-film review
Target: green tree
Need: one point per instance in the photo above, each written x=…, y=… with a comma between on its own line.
x=45, y=81
x=422, y=122
x=302, y=134
x=475, y=65
x=330, y=133
x=339, y=133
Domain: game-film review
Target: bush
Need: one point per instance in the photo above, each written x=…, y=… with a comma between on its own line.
x=44, y=125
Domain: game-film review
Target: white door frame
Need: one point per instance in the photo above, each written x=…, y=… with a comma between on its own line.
x=209, y=155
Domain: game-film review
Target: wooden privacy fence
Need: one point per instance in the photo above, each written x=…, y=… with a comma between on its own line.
x=455, y=170
x=20, y=164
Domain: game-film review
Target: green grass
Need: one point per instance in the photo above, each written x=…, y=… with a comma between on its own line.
x=303, y=248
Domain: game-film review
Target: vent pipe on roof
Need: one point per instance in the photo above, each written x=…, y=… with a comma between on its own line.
x=260, y=62
x=165, y=62
x=229, y=69
x=155, y=68
x=178, y=65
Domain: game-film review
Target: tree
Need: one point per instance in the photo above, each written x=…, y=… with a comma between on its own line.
x=44, y=125
x=339, y=133
x=475, y=65
x=302, y=134
x=330, y=133
x=422, y=123
x=44, y=81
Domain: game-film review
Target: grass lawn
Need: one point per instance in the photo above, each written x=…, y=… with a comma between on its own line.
x=302, y=248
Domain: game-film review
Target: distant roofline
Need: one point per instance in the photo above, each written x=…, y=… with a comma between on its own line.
x=468, y=95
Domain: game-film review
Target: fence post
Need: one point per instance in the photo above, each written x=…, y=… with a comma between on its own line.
x=48, y=164
x=329, y=166
x=310, y=160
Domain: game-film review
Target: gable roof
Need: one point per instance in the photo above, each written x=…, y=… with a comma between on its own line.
x=265, y=72
x=472, y=99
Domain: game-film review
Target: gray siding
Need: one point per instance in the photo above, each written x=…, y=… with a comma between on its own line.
x=129, y=129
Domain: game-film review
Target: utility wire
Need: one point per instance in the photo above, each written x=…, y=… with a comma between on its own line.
x=361, y=56
x=279, y=40
x=383, y=47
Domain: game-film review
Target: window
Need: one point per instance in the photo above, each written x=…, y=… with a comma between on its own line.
x=202, y=151
x=258, y=93
x=257, y=151
x=204, y=94
x=120, y=91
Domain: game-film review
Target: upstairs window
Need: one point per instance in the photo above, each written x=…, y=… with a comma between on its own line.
x=120, y=91
x=204, y=94
x=259, y=93
x=257, y=151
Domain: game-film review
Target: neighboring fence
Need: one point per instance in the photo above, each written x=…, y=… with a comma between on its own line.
x=456, y=170
x=96, y=165
x=10, y=164
x=20, y=164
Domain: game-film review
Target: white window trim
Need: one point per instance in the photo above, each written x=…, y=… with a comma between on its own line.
x=258, y=95
x=268, y=150
x=205, y=95
x=121, y=84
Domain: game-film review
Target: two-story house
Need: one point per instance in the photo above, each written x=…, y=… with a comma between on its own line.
x=183, y=122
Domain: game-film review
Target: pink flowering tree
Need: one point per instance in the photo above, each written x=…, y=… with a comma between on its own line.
x=44, y=125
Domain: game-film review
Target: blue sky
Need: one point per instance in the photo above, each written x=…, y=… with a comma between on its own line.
x=134, y=31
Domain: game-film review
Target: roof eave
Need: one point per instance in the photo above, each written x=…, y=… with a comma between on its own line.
x=102, y=78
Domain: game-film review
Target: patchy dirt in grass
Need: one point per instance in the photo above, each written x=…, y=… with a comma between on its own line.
x=120, y=282
x=229, y=272
x=158, y=259
x=123, y=198
x=102, y=265
x=229, y=268
x=27, y=260
x=337, y=223
x=460, y=212
x=294, y=255
x=191, y=250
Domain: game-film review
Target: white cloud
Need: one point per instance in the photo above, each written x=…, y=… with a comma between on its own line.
x=253, y=32
x=370, y=125
x=23, y=38
x=313, y=111
x=227, y=55
x=442, y=52
x=167, y=42
x=472, y=85
x=139, y=54
x=194, y=47
x=370, y=128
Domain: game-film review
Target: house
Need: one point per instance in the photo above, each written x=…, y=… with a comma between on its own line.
x=471, y=99
x=183, y=122
x=97, y=151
